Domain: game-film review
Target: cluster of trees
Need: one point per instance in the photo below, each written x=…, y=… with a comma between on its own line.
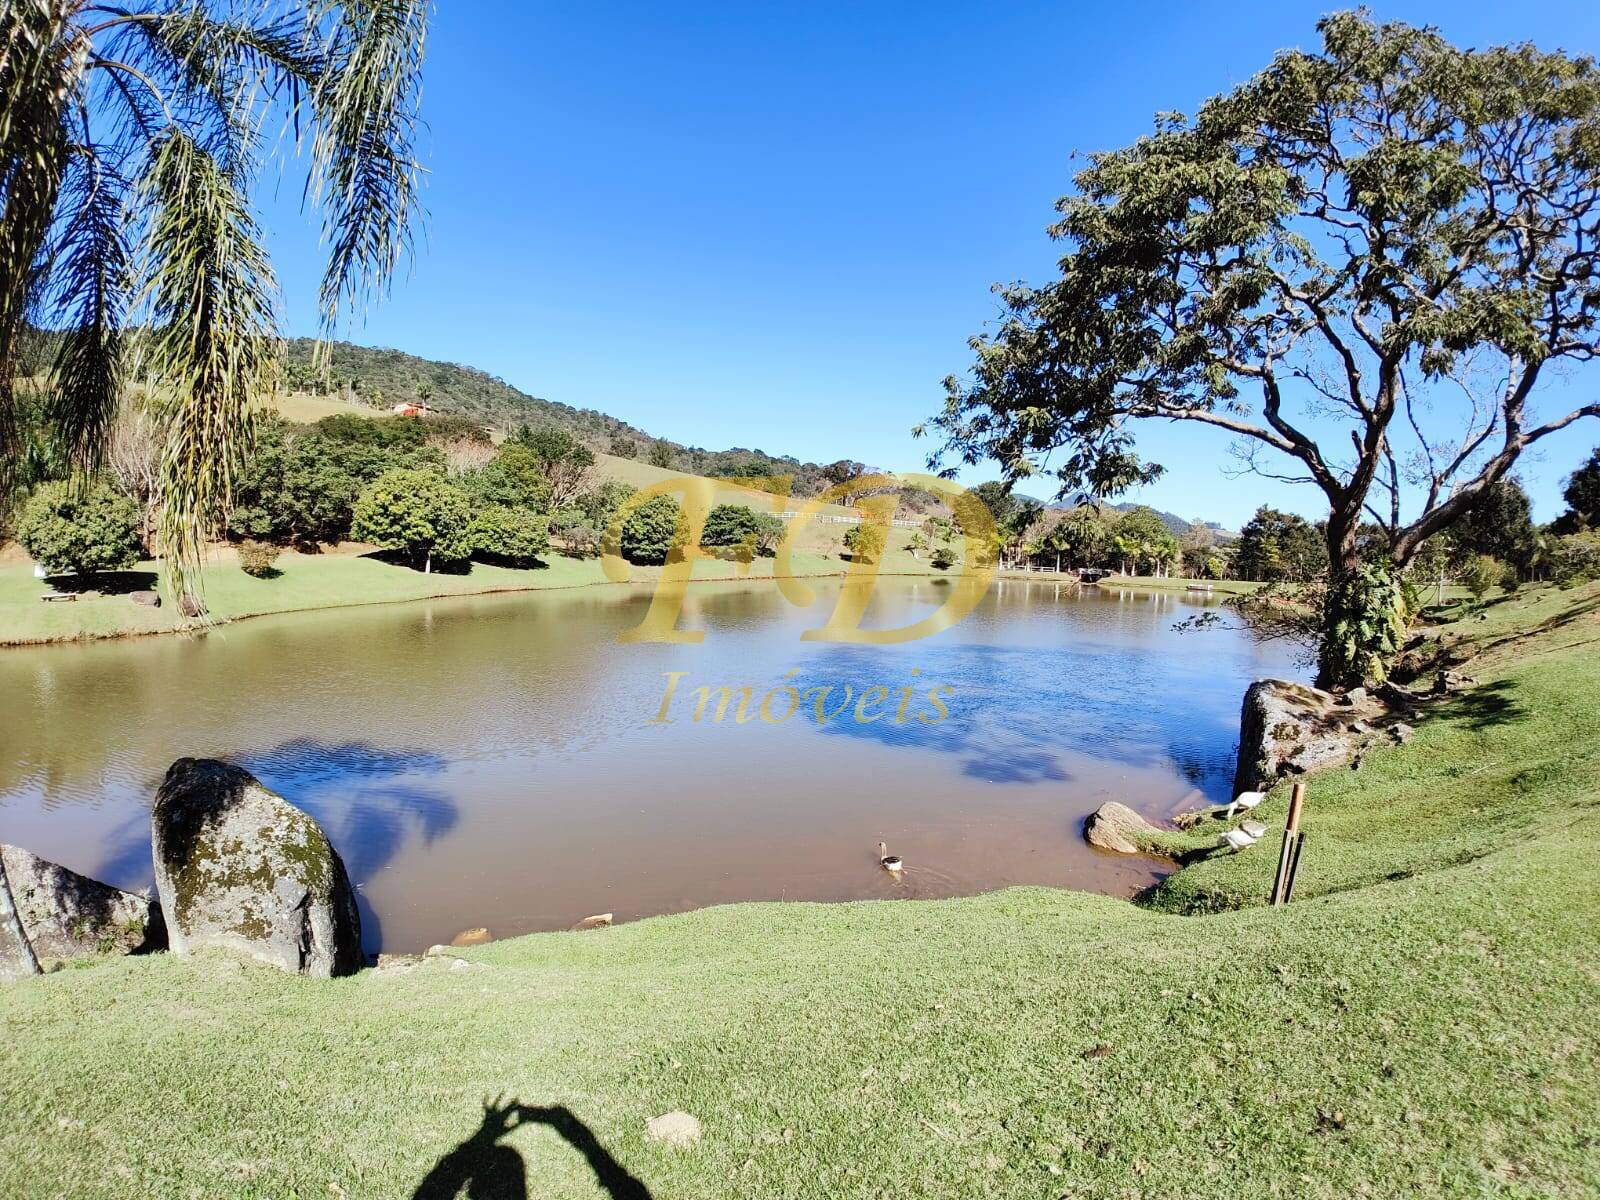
x=1494, y=541
x=654, y=530
x=1135, y=542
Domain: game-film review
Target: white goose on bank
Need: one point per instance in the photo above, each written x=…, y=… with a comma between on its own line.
x=892, y=863
x=1242, y=838
x=1236, y=840
x=1246, y=801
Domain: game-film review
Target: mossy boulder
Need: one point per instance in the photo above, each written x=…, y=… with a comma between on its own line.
x=238, y=866
x=1287, y=728
x=65, y=915
x=1116, y=827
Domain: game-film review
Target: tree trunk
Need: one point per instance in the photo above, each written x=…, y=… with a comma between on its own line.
x=427, y=564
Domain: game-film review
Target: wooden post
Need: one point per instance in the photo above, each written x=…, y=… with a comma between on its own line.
x=1294, y=867
x=1288, y=853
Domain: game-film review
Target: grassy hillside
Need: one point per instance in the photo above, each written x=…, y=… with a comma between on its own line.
x=368, y=376
x=1420, y=1023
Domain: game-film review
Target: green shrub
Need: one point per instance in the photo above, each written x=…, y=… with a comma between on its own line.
x=510, y=534
x=66, y=528
x=866, y=541
x=651, y=532
x=1364, y=619
x=1482, y=574
x=418, y=513
x=1575, y=559
x=742, y=528
x=256, y=559
x=943, y=557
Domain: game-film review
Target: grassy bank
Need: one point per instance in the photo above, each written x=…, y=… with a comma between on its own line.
x=1220, y=587
x=1419, y=1023
x=303, y=582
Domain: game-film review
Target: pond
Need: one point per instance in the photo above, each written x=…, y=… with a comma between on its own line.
x=498, y=761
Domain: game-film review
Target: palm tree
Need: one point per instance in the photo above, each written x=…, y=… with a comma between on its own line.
x=129, y=141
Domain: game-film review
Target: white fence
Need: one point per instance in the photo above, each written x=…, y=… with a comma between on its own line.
x=832, y=519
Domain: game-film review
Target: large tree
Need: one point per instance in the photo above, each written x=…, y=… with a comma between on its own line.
x=1361, y=263
x=130, y=138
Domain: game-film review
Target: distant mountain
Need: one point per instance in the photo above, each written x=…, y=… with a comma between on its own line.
x=1178, y=525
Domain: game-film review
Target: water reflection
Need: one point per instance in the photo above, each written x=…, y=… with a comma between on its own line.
x=492, y=760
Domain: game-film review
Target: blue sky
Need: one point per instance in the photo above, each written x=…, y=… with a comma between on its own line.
x=776, y=225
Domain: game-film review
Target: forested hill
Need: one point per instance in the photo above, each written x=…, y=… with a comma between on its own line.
x=383, y=378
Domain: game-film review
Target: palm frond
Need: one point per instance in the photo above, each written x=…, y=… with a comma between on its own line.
x=39, y=72
x=208, y=294
x=91, y=279
x=220, y=76
x=364, y=174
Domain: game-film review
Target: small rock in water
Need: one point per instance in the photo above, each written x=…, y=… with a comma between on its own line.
x=677, y=1129
x=1115, y=827
x=471, y=937
x=598, y=921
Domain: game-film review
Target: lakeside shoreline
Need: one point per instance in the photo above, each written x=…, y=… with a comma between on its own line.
x=240, y=597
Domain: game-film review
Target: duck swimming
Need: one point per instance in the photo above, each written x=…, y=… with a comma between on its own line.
x=892, y=863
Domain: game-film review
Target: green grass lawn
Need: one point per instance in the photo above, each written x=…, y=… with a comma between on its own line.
x=1420, y=1022
x=305, y=581
x=1220, y=587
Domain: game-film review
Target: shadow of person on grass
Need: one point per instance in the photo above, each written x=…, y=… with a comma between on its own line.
x=481, y=1168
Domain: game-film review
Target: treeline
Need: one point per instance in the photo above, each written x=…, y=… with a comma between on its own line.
x=1494, y=544
x=433, y=492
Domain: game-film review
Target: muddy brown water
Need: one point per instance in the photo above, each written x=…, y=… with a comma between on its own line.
x=495, y=761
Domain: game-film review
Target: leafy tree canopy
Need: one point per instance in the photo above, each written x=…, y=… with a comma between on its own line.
x=510, y=533
x=1499, y=526
x=516, y=477
x=85, y=531
x=1582, y=495
x=418, y=513
x=741, y=525
x=1275, y=546
x=1393, y=238
x=300, y=486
